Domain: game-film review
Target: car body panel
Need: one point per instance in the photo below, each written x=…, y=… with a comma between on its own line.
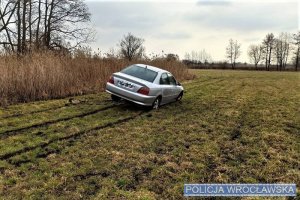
x=129, y=95
x=127, y=86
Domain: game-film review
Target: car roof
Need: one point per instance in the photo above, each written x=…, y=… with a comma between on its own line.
x=156, y=69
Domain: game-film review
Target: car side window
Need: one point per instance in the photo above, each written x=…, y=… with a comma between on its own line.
x=164, y=79
x=171, y=79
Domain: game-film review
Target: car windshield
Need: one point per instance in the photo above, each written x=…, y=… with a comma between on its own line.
x=140, y=72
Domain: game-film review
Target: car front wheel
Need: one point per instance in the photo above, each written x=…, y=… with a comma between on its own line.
x=179, y=96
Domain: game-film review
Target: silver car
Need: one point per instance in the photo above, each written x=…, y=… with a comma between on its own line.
x=145, y=85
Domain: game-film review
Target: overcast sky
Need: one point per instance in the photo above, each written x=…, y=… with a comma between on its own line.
x=182, y=26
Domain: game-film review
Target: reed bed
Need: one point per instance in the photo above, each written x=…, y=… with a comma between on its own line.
x=42, y=76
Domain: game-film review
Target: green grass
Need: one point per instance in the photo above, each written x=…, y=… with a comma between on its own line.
x=231, y=127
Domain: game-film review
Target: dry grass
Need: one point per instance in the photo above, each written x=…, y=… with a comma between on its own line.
x=43, y=76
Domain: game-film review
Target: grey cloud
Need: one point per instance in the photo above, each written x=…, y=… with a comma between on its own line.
x=144, y=19
x=172, y=35
x=248, y=17
x=182, y=25
x=121, y=15
x=213, y=3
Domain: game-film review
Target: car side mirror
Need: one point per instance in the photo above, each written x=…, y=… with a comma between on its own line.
x=177, y=83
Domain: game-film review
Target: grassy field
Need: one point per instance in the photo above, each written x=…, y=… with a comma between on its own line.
x=231, y=127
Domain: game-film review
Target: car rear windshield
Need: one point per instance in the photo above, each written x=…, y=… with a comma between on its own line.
x=140, y=72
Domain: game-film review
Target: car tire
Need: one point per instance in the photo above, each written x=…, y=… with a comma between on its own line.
x=156, y=103
x=115, y=98
x=179, y=97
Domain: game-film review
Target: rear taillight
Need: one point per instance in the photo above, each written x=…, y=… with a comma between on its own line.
x=111, y=80
x=144, y=91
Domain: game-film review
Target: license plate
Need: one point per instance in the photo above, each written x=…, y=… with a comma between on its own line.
x=125, y=84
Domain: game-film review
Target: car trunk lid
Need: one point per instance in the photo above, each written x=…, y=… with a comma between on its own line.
x=128, y=82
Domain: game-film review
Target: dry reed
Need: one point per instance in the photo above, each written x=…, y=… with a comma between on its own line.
x=42, y=76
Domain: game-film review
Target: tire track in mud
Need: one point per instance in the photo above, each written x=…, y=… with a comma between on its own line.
x=33, y=112
x=229, y=147
x=51, y=109
x=68, y=138
x=17, y=131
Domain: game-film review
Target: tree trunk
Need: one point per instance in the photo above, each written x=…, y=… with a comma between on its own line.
x=30, y=23
x=24, y=27
x=286, y=55
x=37, y=39
x=45, y=22
x=48, y=33
x=269, y=61
x=19, y=45
x=267, y=53
x=297, y=59
x=7, y=32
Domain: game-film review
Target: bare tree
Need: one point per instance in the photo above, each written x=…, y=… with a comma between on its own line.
x=255, y=53
x=268, y=44
x=131, y=47
x=112, y=53
x=233, y=51
x=62, y=14
x=198, y=57
x=194, y=57
x=50, y=24
x=7, y=10
x=187, y=56
x=296, y=42
x=282, y=49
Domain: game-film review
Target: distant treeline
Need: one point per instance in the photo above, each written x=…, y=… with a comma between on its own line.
x=238, y=66
x=273, y=53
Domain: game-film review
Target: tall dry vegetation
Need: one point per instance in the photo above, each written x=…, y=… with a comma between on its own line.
x=41, y=76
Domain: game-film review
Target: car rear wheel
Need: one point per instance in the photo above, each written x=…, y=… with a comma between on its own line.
x=156, y=103
x=115, y=98
x=179, y=96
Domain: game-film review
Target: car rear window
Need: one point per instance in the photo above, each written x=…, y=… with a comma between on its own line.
x=140, y=72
